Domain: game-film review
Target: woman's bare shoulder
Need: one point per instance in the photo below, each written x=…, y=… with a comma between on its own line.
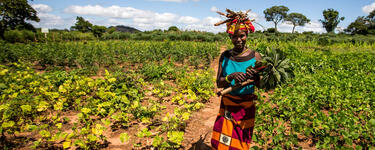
x=226, y=53
x=256, y=54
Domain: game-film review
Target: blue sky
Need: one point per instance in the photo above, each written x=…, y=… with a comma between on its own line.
x=188, y=14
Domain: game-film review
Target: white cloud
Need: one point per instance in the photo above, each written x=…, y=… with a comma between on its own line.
x=188, y=20
x=214, y=9
x=339, y=29
x=285, y=27
x=111, y=22
x=138, y=15
x=51, y=21
x=253, y=15
x=211, y=20
x=148, y=20
x=107, y=22
x=41, y=8
x=314, y=26
x=48, y=20
x=144, y=26
x=112, y=11
x=368, y=8
x=142, y=19
x=202, y=27
x=162, y=25
x=165, y=17
x=207, y=24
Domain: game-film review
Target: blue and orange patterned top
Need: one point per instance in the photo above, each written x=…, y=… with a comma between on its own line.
x=230, y=66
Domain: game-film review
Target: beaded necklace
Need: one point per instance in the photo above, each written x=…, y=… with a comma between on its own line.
x=241, y=52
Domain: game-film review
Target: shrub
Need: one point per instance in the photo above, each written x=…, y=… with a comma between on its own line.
x=173, y=28
x=324, y=41
x=21, y=36
x=271, y=30
x=98, y=30
x=187, y=36
x=172, y=37
x=111, y=30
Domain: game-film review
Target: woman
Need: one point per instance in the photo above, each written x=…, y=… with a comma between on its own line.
x=234, y=124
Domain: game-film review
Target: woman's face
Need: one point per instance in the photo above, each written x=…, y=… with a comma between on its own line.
x=239, y=39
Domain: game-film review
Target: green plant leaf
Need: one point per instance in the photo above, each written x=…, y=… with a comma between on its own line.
x=372, y=122
x=66, y=145
x=26, y=108
x=124, y=137
x=86, y=110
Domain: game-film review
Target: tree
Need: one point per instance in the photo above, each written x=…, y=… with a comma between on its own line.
x=371, y=22
x=331, y=19
x=271, y=30
x=297, y=19
x=358, y=26
x=173, y=28
x=110, y=30
x=14, y=13
x=363, y=25
x=276, y=14
x=82, y=25
x=98, y=30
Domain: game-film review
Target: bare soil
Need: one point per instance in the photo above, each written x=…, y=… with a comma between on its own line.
x=198, y=132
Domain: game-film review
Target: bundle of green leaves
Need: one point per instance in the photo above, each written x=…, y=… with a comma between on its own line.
x=277, y=69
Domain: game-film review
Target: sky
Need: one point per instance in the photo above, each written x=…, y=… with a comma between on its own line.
x=189, y=14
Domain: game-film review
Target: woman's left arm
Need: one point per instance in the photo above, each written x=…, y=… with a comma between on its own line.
x=252, y=73
x=258, y=57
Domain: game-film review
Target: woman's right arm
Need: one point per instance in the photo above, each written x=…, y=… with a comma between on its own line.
x=220, y=79
x=221, y=82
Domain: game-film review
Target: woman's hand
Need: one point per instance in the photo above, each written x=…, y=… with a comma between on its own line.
x=238, y=77
x=251, y=73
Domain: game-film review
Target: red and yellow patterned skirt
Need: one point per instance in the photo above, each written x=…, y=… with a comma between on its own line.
x=234, y=124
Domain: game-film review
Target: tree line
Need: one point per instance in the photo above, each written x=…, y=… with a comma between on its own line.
x=16, y=15
x=277, y=14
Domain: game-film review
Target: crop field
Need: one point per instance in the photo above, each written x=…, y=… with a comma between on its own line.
x=328, y=104
x=88, y=90
x=142, y=94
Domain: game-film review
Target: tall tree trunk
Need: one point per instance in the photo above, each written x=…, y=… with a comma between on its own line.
x=275, y=26
x=293, y=28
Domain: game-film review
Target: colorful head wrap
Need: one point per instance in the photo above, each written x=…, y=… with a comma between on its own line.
x=236, y=21
x=245, y=26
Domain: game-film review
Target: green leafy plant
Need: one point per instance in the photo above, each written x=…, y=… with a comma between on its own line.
x=277, y=71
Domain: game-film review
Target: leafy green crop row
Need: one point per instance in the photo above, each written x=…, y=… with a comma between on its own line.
x=94, y=54
x=329, y=104
x=63, y=109
x=25, y=36
x=43, y=99
x=39, y=103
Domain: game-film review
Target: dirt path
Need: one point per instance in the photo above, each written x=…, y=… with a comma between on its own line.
x=199, y=128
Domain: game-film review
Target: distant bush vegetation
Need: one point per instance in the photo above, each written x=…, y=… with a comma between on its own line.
x=158, y=35
x=321, y=39
x=25, y=36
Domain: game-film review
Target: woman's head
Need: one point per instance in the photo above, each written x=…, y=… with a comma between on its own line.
x=238, y=26
x=238, y=39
